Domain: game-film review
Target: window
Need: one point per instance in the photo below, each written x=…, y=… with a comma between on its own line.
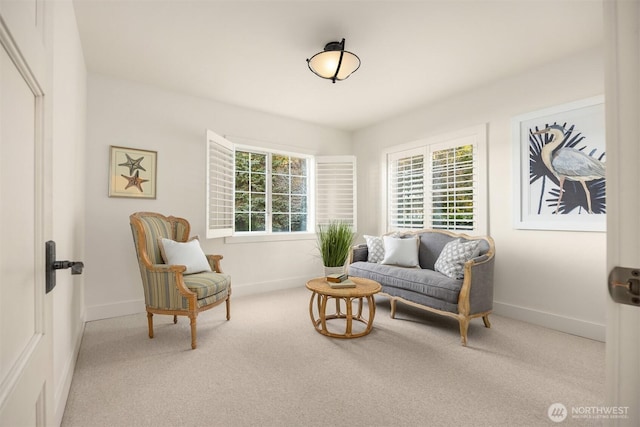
x=271, y=192
x=452, y=188
x=438, y=183
x=254, y=191
x=250, y=211
x=406, y=189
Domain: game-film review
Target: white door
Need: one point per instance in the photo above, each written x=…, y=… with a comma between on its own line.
x=25, y=312
x=622, y=100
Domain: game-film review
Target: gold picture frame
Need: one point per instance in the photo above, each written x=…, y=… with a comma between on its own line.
x=132, y=172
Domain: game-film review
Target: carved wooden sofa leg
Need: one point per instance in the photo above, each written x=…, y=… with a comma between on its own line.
x=392, y=302
x=464, y=327
x=485, y=319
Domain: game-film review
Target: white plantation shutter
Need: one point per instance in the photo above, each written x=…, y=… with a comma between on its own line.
x=336, y=198
x=439, y=183
x=453, y=186
x=220, y=196
x=406, y=186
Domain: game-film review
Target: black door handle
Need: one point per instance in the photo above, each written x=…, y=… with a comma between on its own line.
x=52, y=265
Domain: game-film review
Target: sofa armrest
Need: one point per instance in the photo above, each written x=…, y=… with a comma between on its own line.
x=480, y=258
x=480, y=292
x=358, y=253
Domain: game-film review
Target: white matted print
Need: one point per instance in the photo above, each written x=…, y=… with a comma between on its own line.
x=559, y=161
x=132, y=173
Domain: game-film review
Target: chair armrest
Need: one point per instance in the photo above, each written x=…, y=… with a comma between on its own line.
x=214, y=262
x=165, y=288
x=167, y=268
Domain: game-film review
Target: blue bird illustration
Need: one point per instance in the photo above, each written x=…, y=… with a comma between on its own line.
x=569, y=163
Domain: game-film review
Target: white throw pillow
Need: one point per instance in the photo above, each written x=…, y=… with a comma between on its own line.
x=189, y=254
x=375, y=248
x=402, y=252
x=454, y=255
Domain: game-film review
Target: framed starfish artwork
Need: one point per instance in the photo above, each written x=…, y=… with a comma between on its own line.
x=132, y=173
x=559, y=167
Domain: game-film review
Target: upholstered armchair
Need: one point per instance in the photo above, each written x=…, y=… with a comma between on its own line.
x=169, y=289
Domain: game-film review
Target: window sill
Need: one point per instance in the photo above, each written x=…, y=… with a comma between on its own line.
x=258, y=238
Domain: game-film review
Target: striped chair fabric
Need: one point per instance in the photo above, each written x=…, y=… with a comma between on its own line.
x=165, y=288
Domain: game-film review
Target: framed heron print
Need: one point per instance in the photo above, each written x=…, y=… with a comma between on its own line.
x=132, y=173
x=559, y=165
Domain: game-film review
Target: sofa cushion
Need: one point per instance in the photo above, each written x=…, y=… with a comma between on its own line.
x=401, y=251
x=454, y=255
x=375, y=248
x=427, y=282
x=431, y=244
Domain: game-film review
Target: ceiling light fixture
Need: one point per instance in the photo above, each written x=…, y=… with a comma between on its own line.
x=334, y=63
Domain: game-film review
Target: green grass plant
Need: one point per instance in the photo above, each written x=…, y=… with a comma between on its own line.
x=334, y=242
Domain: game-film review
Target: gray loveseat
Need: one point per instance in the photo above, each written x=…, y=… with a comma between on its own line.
x=461, y=298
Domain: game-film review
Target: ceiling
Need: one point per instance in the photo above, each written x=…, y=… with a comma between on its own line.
x=253, y=53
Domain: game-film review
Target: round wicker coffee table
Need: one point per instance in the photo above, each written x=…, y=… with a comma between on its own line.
x=323, y=292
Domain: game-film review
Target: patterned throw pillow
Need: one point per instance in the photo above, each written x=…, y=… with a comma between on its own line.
x=454, y=255
x=375, y=247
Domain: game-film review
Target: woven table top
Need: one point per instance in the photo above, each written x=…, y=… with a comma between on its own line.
x=364, y=287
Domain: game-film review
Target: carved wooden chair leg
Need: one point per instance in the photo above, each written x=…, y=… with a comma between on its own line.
x=392, y=301
x=175, y=319
x=193, y=332
x=150, y=321
x=228, y=308
x=485, y=319
x=464, y=327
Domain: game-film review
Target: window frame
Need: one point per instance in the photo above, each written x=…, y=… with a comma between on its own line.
x=474, y=135
x=314, y=172
x=269, y=191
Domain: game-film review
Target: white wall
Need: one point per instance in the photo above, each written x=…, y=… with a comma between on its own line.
x=68, y=175
x=556, y=279
x=129, y=114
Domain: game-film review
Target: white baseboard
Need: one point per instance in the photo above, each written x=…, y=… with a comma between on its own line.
x=125, y=308
x=116, y=309
x=62, y=393
x=582, y=328
x=273, y=285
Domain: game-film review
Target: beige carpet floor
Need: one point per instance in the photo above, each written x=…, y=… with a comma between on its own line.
x=267, y=366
